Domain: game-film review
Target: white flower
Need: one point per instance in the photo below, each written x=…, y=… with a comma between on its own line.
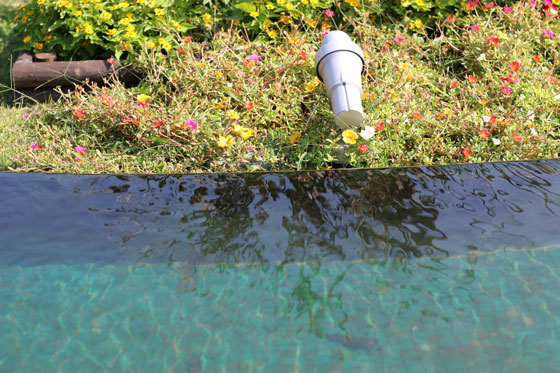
x=533, y=131
x=557, y=97
x=496, y=141
x=486, y=118
x=367, y=133
x=481, y=57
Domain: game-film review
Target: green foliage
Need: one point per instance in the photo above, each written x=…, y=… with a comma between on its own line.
x=85, y=29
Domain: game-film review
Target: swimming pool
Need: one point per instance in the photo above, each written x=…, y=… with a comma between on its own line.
x=414, y=269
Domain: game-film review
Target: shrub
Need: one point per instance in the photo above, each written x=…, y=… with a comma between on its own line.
x=82, y=29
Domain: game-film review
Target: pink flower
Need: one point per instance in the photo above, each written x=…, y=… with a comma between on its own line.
x=513, y=78
x=398, y=39
x=489, y=5
x=329, y=13
x=80, y=149
x=517, y=137
x=508, y=9
x=248, y=105
x=324, y=33
x=191, y=124
x=187, y=38
x=78, y=159
x=506, y=90
x=484, y=133
x=36, y=145
x=475, y=28
x=363, y=148
x=255, y=58
x=450, y=19
x=111, y=60
x=466, y=152
x=533, y=3
x=548, y=33
x=249, y=147
x=25, y=116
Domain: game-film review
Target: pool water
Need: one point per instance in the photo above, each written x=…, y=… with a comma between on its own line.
x=413, y=269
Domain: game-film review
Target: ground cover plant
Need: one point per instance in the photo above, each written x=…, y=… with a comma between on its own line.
x=478, y=84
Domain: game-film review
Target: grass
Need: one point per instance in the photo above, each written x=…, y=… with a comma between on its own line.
x=489, y=92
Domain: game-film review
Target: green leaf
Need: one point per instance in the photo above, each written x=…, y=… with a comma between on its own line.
x=234, y=15
x=246, y=7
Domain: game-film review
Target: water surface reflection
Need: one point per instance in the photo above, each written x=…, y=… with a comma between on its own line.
x=280, y=217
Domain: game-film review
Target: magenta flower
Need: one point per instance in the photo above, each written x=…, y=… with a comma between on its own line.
x=475, y=28
x=80, y=149
x=398, y=39
x=489, y=5
x=36, y=145
x=25, y=116
x=111, y=60
x=508, y=9
x=506, y=90
x=191, y=124
x=548, y=33
x=329, y=13
x=255, y=58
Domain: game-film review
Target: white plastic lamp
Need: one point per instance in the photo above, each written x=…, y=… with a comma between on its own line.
x=339, y=64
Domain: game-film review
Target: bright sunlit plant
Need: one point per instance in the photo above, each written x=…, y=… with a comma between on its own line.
x=82, y=29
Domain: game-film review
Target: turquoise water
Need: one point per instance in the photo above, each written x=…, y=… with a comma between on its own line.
x=421, y=269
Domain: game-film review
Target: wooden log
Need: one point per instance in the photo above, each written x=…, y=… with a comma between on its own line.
x=62, y=73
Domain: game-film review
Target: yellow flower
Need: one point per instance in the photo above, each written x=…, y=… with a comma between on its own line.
x=78, y=13
x=311, y=23
x=232, y=114
x=142, y=98
x=106, y=16
x=124, y=5
x=125, y=45
x=159, y=12
x=41, y=2
x=124, y=21
x=27, y=39
x=150, y=44
x=309, y=86
x=314, y=2
x=270, y=6
x=272, y=34
x=30, y=13
x=39, y=46
x=164, y=44
x=254, y=14
x=23, y=19
x=88, y=29
x=247, y=133
x=131, y=34
x=349, y=137
x=304, y=2
x=418, y=23
x=206, y=18
x=218, y=74
x=112, y=32
x=280, y=1
x=286, y=19
x=289, y=6
x=420, y=2
x=200, y=64
x=295, y=137
x=224, y=142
